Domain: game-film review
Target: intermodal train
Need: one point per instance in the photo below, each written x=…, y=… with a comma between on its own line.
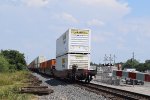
x=72, y=61
x=48, y=67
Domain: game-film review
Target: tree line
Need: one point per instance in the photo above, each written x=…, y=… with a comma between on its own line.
x=133, y=63
x=11, y=60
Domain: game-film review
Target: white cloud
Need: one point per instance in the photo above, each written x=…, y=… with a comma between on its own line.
x=67, y=17
x=107, y=7
x=111, y=3
x=36, y=3
x=136, y=26
x=95, y=22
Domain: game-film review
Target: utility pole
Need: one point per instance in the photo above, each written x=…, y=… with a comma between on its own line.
x=114, y=59
x=133, y=56
x=133, y=65
x=105, y=58
x=27, y=59
x=110, y=59
x=133, y=59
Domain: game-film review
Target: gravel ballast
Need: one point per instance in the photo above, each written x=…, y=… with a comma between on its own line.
x=63, y=91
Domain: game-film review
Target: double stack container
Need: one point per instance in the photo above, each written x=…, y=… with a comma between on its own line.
x=73, y=47
x=39, y=60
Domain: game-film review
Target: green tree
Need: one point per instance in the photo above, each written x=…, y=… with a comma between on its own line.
x=4, y=65
x=91, y=63
x=147, y=61
x=131, y=63
x=141, y=67
x=147, y=65
x=15, y=59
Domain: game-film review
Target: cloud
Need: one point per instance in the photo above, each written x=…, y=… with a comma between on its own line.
x=108, y=20
x=36, y=3
x=110, y=3
x=108, y=8
x=95, y=22
x=67, y=17
x=136, y=26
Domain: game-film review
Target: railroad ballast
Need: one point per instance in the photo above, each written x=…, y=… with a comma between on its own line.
x=72, y=57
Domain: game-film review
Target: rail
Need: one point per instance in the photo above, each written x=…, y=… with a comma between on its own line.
x=113, y=93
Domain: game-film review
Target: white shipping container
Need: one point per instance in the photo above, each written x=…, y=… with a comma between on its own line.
x=74, y=41
x=39, y=60
x=66, y=61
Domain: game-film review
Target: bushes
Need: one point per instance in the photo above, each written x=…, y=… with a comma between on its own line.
x=12, y=77
x=4, y=64
x=12, y=60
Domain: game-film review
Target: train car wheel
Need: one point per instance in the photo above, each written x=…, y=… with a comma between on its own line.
x=87, y=80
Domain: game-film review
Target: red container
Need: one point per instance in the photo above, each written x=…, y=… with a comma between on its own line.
x=147, y=77
x=51, y=63
x=45, y=64
x=119, y=73
x=42, y=65
x=132, y=75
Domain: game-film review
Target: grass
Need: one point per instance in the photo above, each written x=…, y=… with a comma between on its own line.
x=10, y=84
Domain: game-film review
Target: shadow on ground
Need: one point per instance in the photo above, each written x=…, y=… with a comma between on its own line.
x=54, y=82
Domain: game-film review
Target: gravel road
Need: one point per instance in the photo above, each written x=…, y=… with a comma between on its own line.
x=63, y=91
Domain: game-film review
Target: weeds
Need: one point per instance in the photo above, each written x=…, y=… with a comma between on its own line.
x=10, y=84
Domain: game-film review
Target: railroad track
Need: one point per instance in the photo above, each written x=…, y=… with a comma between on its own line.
x=112, y=93
x=107, y=92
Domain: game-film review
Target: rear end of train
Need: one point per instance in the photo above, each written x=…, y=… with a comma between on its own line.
x=73, y=55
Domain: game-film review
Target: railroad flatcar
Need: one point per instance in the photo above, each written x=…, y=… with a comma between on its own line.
x=49, y=67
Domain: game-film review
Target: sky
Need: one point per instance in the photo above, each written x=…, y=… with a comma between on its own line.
x=119, y=27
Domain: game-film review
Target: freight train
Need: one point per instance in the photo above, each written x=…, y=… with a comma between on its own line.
x=72, y=57
x=48, y=67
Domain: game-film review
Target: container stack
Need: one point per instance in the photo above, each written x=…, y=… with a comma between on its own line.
x=73, y=47
x=39, y=60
